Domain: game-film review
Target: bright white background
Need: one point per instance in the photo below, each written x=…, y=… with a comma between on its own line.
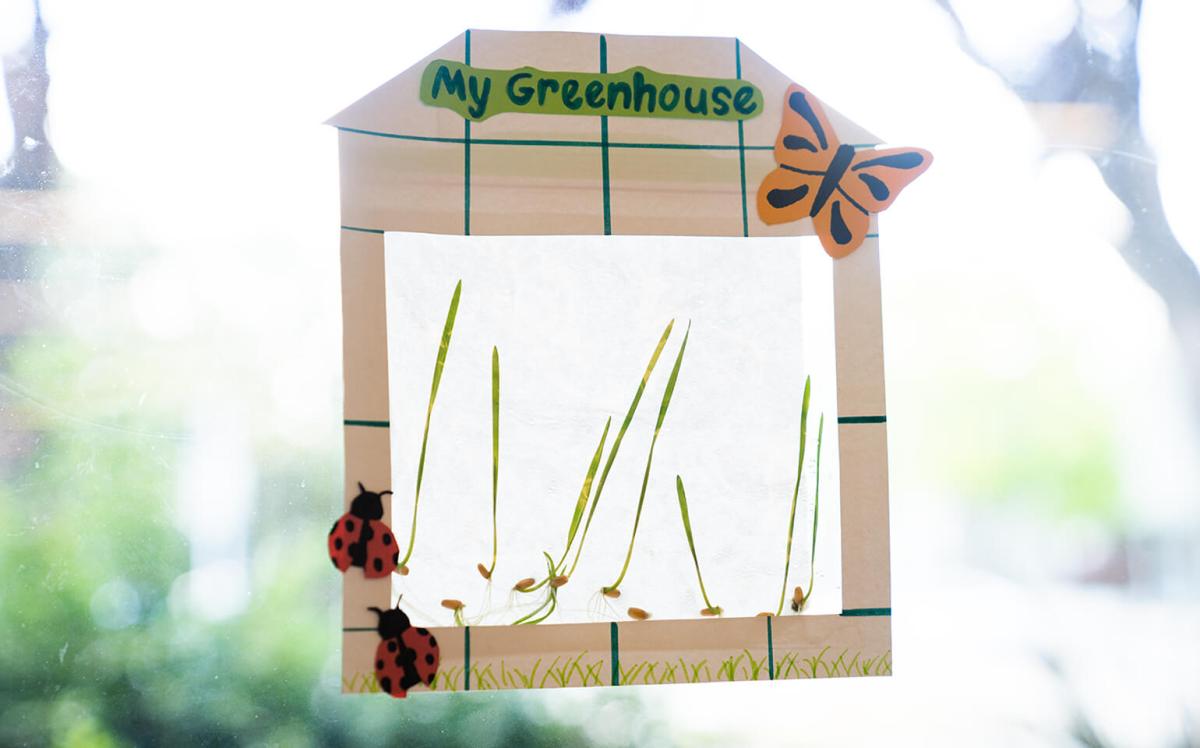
x=575, y=320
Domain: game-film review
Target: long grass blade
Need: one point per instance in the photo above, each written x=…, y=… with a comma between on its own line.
x=585, y=492
x=438, y=366
x=495, y=458
x=662, y=414
x=812, y=561
x=787, y=565
x=687, y=529
x=616, y=445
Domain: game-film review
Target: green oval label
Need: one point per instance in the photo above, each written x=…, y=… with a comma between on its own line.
x=478, y=93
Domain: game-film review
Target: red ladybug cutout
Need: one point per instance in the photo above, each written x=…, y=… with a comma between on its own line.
x=360, y=539
x=406, y=655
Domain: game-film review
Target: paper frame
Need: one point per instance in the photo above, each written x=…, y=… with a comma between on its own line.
x=408, y=167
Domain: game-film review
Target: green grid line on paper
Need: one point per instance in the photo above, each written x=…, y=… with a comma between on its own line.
x=604, y=149
x=467, y=155
x=384, y=231
x=737, y=54
x=770, y=649
x=367, y=424
x=614, y=647
x=466, y=658
x=861, y=612
x=549, y=142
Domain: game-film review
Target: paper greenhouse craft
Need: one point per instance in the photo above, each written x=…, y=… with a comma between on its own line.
x=577, y=459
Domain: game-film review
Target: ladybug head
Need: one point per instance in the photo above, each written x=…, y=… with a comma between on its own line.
x=368, y=505
x=392, y=622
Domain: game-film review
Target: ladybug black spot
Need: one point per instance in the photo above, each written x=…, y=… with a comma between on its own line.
x=433, y=641
x=379, y=664
x=399, y=661
x=428, y=659
x=387, y=539
x=386, y=684
x=392, y=646
x=349, y=525
x=337, y=543
x=396, y=557
x=378, y=565
x=423, y=632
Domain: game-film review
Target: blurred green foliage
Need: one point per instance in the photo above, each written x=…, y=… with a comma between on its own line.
x=1058, y=460
x=99, y=646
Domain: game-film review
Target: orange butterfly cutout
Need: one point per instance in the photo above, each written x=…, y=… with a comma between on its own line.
x=835, y=185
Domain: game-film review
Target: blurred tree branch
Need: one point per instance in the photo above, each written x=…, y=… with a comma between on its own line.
x=32, y=165
x=1076, y=71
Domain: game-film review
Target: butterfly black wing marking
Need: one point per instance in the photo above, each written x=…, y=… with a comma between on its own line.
x=781, y=198
x=837, y=225
x=798, y=103
x=875, y=181
x=907, y=160
x=877, y=187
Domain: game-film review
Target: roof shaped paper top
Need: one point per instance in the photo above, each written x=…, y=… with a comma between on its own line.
x=411, y=166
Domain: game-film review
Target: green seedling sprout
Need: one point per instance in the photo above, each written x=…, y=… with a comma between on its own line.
x=456, y=606
x=709, y=608
x=528, y=585
x=551, y=601
x=438, y=366
x=787, y=565
x=801, y=598
x=662, y=414
x=616, y=445
x=486, y=571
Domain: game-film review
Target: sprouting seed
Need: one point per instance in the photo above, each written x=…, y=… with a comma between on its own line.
x=798, y=599
x=710, y=610
x=524, y=584
x=438, y=366
x=611, y=593
x=549, y=604
x=486, y=571
x=662, y=414
x=403, y=570
x=787, y=564
x=457, y=607
x=559, y=580
x=638, y=614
